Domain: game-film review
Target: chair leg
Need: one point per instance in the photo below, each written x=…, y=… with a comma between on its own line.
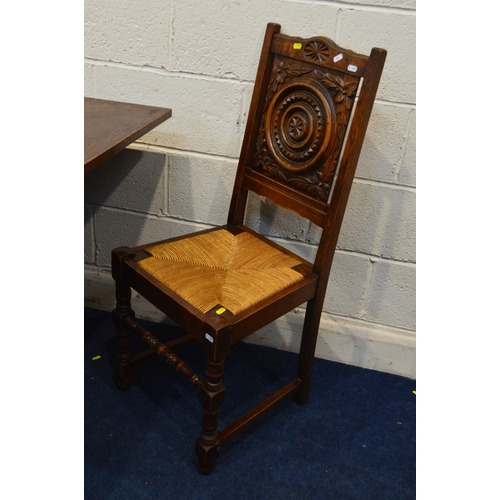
x=122, y=311
x=307, y=349
x=212, y=396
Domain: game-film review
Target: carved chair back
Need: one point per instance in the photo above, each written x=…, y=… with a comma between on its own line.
x=308, y=117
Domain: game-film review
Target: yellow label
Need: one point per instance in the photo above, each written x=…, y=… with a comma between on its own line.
x=220, y=310
x=95, y=358
x=297, y=46
x=414, y=392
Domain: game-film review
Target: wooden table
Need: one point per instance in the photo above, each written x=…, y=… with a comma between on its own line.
x=111, y=126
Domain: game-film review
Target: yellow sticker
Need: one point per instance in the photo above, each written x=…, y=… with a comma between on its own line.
x=297, y=46
x=220, y=310
x=95, y=358
x=414, y=392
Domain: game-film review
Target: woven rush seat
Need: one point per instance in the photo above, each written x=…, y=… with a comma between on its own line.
x=222, y=269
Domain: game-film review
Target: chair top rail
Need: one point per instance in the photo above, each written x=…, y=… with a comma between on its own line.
x=321, y=51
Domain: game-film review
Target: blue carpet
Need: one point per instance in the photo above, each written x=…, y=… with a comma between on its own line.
x=354, y=439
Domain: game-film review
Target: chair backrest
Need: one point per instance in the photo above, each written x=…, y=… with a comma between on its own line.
x=307, y=120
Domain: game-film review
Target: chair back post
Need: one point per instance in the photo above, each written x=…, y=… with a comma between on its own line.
x=343, y=184
x=335, y=214
x=240, y=195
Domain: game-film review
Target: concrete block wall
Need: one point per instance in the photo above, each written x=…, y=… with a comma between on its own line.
x=200, y=58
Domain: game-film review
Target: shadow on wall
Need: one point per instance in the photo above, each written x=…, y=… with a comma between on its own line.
x=380, y=221
x=393, y=284
x=131, y=180
x=267, y=218
x=120, y=195
x=200, y=189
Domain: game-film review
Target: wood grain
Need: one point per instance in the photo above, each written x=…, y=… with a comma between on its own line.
x=110, y=126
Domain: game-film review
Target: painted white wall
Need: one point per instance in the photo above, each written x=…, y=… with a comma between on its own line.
x=200, y=58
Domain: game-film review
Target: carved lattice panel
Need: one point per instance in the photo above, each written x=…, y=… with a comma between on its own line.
x=306, y=113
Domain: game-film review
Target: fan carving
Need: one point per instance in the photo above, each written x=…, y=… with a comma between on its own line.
x=316, y=51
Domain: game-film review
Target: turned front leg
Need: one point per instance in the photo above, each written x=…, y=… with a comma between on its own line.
x=212, y=396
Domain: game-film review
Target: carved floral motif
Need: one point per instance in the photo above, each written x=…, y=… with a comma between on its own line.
x=281, y=72
x=317, y=185
x=344, y=93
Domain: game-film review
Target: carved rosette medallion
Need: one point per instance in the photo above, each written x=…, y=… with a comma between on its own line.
x=297, y=127
x=305, y=118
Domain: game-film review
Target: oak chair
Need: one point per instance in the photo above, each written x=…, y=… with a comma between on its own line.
x=308, y=117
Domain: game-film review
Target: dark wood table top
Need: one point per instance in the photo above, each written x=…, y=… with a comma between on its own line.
x=111, y=126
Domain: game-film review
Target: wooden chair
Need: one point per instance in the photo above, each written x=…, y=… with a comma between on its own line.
x=308, y=117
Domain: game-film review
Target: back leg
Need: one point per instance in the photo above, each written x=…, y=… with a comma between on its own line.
x=308, y=348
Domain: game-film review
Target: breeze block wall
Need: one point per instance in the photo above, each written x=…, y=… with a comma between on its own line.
x=200, y=59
